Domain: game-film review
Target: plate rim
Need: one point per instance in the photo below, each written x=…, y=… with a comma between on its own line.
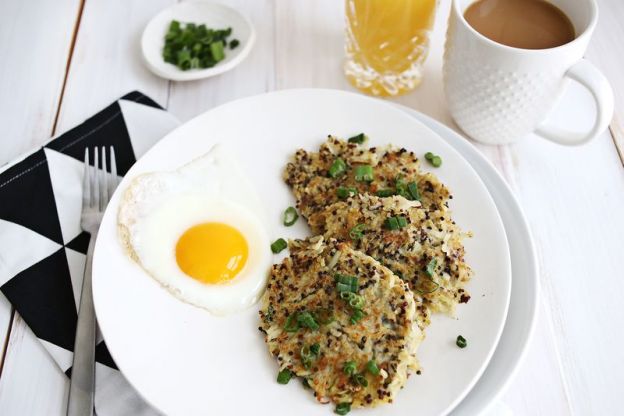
x=461, y=141
x=333, y=92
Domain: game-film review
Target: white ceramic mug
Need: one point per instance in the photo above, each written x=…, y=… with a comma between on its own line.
x=498, y=94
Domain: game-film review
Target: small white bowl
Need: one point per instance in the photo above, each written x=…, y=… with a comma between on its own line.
x=215, y=16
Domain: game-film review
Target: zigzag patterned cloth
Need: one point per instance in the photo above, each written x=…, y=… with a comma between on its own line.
x=42, y=247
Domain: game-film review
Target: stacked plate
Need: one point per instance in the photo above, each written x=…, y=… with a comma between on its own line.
x=215, y=362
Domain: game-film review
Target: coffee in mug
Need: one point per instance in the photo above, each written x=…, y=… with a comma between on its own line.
x=499, y=90
x=526, y=24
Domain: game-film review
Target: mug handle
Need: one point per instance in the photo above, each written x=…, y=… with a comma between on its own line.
x=591, y=78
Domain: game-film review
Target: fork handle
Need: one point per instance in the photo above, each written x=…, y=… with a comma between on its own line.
x=82, y=384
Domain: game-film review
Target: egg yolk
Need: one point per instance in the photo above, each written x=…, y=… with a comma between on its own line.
x=212, y=252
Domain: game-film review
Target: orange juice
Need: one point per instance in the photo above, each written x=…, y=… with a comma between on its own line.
x=387, y=43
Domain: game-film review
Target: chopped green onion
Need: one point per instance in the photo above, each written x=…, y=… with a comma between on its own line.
x=401, y=187
x=349, y=368
x=342, y=408
x=278, y=245
x=359, y=139
x=305, y=319
x=345, y=192
x=372, y=368
x=309, y=354
x=346, y=283
x=290, y=216
x=383, y=193
x=360, y=379
x=234, y=43
x=435, y=286
x=461, y=342
x=192, y=46
x=430, y=269
x=391, y=223
x=395, y=223
x=292, y=324
x=412, y=189
x=402, y=221
x=284, y=376
x=216, y=49
x=356, y=233
x=429, y=156
x=364, y=173
x=323, y=316
x=355, y=301
x=337, y=168
x=436, y=161
x=357, y=316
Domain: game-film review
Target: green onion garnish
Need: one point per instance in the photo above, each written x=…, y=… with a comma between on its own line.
x=315, y=349
x=357, y=232
x=345, y=192
x=364, y=173
x=305, y=319
x=359, y=139
x=290, y=216
x=402, y=221
x=306, y=356
x=461, y=342
x=346, y=283
x=234, y=43
x=434, y=286
x=349, y=368
x=412, y=189
x=292, y=324
x=383, y=193
x=284, y=376
x=360, y=379
x=372, y=368
x=190, y=46
x=391, y=223
x=401, y=187
x=430, y=269
x=342, y=408
x=357, y=315
x=278, y=245
x=337, y=168
x=355, y=301
x=435, y=160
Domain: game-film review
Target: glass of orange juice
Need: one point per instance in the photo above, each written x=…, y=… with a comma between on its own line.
x=387, y=43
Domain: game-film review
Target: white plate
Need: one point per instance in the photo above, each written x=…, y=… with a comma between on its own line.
x=184, y=361
x=214, y=15
x=525, y=291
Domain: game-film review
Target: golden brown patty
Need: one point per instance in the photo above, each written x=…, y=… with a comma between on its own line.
x=427, y=253
x=308, y=175
x=305, y=284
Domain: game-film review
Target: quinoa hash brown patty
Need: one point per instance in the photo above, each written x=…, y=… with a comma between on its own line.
x=311, y=324
x=308, y=174
x=426, y=252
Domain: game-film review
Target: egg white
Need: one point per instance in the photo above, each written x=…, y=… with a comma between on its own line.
x=157, y=208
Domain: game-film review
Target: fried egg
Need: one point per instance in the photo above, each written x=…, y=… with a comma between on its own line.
x=199, y=231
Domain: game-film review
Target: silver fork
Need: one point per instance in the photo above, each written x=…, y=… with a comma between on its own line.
x=97, y=187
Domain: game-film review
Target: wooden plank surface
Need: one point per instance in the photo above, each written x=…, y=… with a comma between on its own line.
x=31, y=80
x=573, y=197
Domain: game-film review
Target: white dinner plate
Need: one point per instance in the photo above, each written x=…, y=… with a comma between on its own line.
x=185, y=361
x=525, y=287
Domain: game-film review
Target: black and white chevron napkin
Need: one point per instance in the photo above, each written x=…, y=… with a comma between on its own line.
x=42, y=248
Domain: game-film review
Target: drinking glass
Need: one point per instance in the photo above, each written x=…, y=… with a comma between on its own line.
x=387, y=42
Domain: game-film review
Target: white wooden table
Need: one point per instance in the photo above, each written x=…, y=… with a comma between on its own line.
x=63, y=60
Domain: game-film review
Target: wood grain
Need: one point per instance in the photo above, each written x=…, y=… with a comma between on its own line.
x=573, y=197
